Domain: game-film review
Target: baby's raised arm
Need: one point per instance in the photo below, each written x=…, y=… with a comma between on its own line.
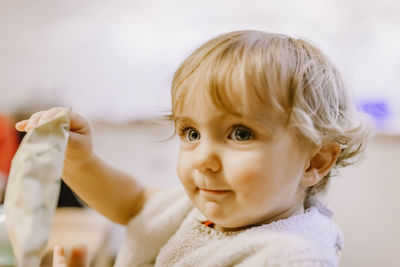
x=112, y=192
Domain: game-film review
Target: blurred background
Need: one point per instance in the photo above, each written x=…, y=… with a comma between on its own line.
x=114, y=60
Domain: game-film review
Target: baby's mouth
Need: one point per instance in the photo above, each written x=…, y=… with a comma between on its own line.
x=205, y=192
x=213, y=190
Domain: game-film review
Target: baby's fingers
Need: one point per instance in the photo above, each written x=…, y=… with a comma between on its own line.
x=59, y=257
x=20, y=126
x=78, y=257
x=27, y=125
x=39, y=118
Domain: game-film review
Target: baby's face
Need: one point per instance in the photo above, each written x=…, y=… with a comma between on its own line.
x=238, y=172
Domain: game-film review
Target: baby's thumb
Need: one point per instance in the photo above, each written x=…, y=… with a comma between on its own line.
x=78, y=256
x=79, y=124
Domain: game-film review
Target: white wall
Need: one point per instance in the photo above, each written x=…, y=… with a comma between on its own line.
x=366, y=198
x=114, y=59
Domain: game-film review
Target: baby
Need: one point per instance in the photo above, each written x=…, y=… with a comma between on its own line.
x=263, y=119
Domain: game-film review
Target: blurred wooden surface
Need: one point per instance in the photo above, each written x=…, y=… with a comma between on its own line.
x=81, y=226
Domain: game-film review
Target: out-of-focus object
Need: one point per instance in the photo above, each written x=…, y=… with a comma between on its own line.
x=33, y=188
x=73, y=226
x=8, y=143
x=383, y=114
x=8, y=146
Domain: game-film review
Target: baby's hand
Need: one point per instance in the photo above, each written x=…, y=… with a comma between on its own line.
x=78, y=257
x=77, y=121
x=80, y=147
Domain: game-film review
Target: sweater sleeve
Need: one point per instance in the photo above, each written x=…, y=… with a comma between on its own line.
x=152, y=227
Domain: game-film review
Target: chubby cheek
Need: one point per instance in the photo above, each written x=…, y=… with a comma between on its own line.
x=252, y=190
x=243, y=178
x=252, y=180
x=183, y=171
x=180, y=170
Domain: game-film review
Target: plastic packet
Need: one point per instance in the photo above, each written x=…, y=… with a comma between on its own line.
x=33, y=189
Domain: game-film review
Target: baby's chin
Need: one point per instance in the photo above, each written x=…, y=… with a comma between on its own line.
x=220, y=213
x=214, y=212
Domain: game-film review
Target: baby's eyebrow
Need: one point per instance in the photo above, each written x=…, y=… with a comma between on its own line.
x=183, y=120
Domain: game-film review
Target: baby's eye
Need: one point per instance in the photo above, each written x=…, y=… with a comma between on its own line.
x=241, y=133
x=192, y=135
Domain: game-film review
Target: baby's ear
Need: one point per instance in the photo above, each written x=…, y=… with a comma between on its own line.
x=320, y=164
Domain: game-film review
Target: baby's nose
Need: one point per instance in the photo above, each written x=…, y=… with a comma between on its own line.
x=207, y=158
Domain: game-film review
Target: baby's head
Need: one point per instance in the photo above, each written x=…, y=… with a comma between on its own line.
x=273, y=99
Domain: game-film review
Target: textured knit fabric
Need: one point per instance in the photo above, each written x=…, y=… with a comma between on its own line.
x=169, y=232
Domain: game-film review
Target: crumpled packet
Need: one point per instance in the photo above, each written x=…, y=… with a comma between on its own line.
x=33, y=189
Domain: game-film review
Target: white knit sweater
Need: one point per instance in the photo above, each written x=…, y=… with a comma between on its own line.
x=168, y=232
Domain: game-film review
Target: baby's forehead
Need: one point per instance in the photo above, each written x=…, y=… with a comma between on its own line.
x=242, y=105
x=231, y=96
x=198, y=113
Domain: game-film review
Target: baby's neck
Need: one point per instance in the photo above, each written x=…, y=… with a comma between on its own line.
x=280, y=216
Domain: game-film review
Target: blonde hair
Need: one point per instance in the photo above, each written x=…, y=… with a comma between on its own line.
x=278, y=78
